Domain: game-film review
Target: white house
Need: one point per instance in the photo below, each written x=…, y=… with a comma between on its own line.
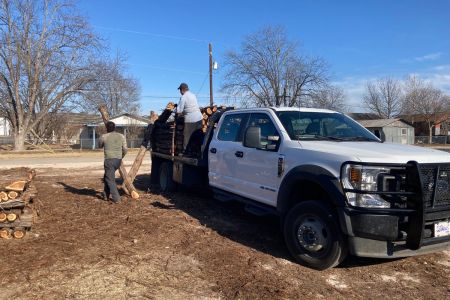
x=124, y=123
x=5, y=127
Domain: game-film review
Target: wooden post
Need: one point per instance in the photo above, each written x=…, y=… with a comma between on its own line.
x=93, y=138
x=128, y=186
x=142, y=151
x=211, y=98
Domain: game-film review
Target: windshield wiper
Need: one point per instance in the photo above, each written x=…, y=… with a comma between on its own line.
x=360, y=138
x=323, y=138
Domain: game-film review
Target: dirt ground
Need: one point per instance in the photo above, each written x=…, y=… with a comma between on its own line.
x=181, y=246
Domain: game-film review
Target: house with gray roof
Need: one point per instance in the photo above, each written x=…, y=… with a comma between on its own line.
x=390, y=130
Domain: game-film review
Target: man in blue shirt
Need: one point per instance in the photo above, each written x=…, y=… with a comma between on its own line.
x=188, y=107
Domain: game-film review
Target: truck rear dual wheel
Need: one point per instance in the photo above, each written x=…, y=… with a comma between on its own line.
x=166, y=182
x=313, y=236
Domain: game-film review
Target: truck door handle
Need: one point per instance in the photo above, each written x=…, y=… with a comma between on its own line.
x=213, y=150
x=239, y=154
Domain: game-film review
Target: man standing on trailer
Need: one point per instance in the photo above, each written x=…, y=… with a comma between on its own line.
x=115, y=148
x=188, y=107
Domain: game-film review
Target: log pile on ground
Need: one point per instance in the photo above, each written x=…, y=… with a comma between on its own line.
x=16, y=212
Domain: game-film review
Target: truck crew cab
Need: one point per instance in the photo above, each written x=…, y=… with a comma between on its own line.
x=336, y=187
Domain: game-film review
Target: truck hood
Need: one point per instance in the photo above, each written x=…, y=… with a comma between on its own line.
x=378, y=152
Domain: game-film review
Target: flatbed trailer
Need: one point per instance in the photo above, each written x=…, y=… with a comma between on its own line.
x=173, y=168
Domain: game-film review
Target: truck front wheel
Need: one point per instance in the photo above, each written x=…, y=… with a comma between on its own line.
x=313, y=237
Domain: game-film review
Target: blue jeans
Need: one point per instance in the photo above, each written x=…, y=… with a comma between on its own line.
x=109, y=179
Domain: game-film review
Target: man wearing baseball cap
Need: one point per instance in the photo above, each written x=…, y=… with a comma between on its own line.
x=188, y=107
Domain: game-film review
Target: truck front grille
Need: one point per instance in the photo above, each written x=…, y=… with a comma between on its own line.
x=435, y=180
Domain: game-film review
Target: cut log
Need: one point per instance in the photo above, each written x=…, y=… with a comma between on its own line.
x=165, y=115
x=16, y=203
x=3, y=196
x=17, y=186
x=170, y=106
x=2, y=217
x=11, y=217
x=13, y=195
x=142, y=150
x=31, y=175
x=29, y=193
x=25, y=220
x=137, y=163
x=5, y=233
x=128, y=186
x=19, y=233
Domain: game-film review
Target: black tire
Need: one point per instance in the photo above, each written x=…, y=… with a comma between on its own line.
x=154, y=175
x=166, y=182
x=313, y=236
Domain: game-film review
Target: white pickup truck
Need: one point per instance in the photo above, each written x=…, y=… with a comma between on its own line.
x=336, y=187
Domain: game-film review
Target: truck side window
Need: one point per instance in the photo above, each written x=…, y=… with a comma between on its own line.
x=231, y=128
x=268, y=129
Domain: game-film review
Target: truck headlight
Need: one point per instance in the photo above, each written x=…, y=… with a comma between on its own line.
x=362, y=178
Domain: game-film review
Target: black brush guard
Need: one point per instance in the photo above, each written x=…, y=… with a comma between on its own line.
x=429, y=201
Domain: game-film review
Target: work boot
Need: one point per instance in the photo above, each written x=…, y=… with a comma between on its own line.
x=103, y=196
x=112, y=201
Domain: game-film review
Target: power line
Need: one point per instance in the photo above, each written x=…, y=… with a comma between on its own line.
x=160, y=35
x=167, y=69
x=153, y=34
x=203, y=83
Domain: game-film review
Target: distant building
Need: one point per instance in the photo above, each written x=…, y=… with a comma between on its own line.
x=5, y=127
x=390, y=130
x=363, y=116
x=131, y=126
x=440, y=121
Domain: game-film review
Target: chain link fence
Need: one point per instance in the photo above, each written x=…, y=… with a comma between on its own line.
x=86, y=144
x=438, y=139
x=81, y=144
x=6, y=140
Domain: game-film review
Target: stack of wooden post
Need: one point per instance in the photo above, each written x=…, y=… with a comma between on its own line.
x=207, y=112
x=16, y=214
x=163, y=135
x=167, y=137
x=179, y=136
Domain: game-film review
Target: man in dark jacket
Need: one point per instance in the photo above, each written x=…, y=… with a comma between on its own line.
x=115, y=148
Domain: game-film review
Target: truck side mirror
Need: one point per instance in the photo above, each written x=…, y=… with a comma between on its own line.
x=252, y=137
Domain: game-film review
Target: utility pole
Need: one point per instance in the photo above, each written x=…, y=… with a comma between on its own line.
x=211, y=99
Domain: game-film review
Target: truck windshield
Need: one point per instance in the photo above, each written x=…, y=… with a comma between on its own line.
x=323, y=126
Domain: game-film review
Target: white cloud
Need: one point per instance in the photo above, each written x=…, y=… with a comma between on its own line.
x=354, y=87
x=441, y=81
x=428, y=57
x=441, y=68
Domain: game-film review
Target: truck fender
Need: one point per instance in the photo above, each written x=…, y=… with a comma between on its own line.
x=313, y=174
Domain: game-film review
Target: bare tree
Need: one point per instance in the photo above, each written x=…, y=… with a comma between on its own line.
x=269, y=71
x=113, y=88
x=44, y=57
x=330, y=97
x=425, y=101
x=384, y=97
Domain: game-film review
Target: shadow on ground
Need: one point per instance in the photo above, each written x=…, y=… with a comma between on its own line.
x=230, y=220
x=81, y=191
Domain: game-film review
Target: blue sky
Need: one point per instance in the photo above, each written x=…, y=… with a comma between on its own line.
x=167, y=41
